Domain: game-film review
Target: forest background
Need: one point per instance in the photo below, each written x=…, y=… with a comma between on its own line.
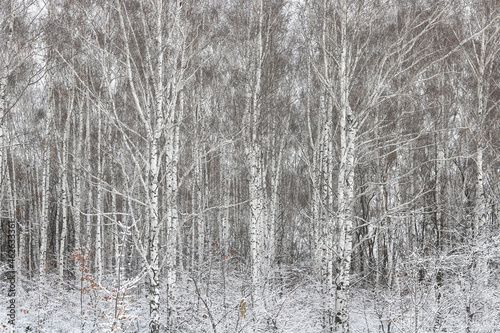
x=250, y=165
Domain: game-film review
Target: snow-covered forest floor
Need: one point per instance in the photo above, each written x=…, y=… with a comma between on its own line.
x=213, y=302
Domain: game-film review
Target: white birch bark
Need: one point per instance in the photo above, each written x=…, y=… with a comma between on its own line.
x=316, y=220
x=4, y=74
x=392, y=223
x=47, y=155
x=115, y=244
x=154, y=225
x=275, y=162
x=440, y=162
x=482, y=92
x=326, y=222
x=315, y=174
x=88, y=222
x=65, y=188
x=154, y=160
x=3, y=111
x=13, y=220
x=199, y=183
x=171, y=190
x=194, y=227
x=254, y=155
x=77, y=173
x=346, y=181
x=323, y=170
x=33, y=232
x=225, y=222
x=256, y=211
x=99, y=208
x=23, y=235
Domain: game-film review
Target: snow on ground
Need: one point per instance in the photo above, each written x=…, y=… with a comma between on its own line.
x=210, y=302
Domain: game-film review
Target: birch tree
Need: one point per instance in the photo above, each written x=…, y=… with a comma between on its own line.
x=18, y=71
x=262, y=146
x=156, y=91
x=362, y=76
x=481, y=55
x=7, y=25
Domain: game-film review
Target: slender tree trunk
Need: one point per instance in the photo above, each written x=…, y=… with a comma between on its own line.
x=89, y=208
x=254, y=155
x=115, y=247
x=480, y=204
x=225, y=220
x=440, y=162
x=23, y=236
x=154, y=231
x=274, y=202
x=65, y=188
x=3, y=112
x=326, y=222
x=154, y=164
x=194, y=226
x=256, y=209
x=47, y=156
x=13, y=217
x=99, y=208
x=199, y=183
x=314, y=171
x=172, y=211
x=4, y=74
x=346, y=182
x=77, y=171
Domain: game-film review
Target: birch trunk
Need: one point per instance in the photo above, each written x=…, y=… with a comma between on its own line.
x=23, y=235
x=256, y=209
x=346, y=181
x=47, y=156
x=315, y=175
x=77, y=171
x=254, y=155
x=480, y=204
x=198, y=192
x=194, y=226
x=154, y=159
x=326, y=223
x=115, y=244
x=175, y=113
x=480, y=221
x=3, y=112
x=33, y=232
x=154, y=292
x=316, y=219
x=65, y=189
x=4, y=74
x=225, y=221
x=439, y=221
x=13, y=220
x=392, y=231
x=88, y=222
x=171, y=211
x=274, y=201
x=99, y=210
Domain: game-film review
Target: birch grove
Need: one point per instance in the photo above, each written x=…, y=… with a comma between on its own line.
x=249, y=166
